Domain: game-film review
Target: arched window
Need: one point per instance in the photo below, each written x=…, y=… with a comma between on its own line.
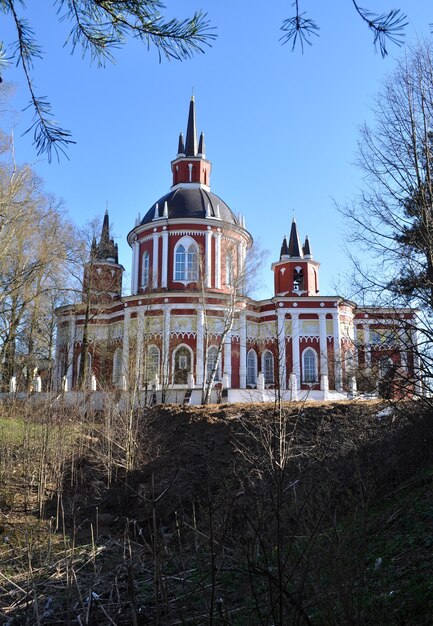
x=212, y=355
x=151, y=363
x=182, y=364
x=298, y=279
x=268, y=366
x=309, y=366
x=117, y=367
x=89, y=366
x=145, y=270
x=186, y=261
x=252, y=368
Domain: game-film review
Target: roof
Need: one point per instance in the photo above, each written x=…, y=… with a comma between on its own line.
x=187, y=202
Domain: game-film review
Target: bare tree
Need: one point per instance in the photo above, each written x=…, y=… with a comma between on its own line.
x=391, y=221
x=34, y=240
x=241, y=276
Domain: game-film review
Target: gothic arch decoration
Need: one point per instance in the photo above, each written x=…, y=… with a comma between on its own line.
x=268, y=367
x=186, y=255
x=117, y=367
x=251, y=368
x=310, y=370
x=182, y=364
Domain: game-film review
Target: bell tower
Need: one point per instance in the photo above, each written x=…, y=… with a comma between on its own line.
x=102, y=281
x=296, y=273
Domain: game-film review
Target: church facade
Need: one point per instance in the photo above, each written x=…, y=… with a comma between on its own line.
x=189, y=326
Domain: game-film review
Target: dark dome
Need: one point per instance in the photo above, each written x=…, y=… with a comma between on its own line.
x=191, y=202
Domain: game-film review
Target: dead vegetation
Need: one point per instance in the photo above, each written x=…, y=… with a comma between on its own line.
x=236, y=515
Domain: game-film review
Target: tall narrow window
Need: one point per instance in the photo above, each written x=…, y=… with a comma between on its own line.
x=268, y=367
x=252, y=368
x=182, y=364
x=117, y=367
x=211, y=361
x=151, y=363
x=192, y=263
x=180, y=263
x=145, y=270
x=309, y=366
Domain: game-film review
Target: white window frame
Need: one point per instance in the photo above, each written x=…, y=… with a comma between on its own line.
x=145, y=269
x=189, y=270
x=210, y=364
x=269, y=380
x=173, y=358
x=252, y=368
x=310, y=379
x=152, y=367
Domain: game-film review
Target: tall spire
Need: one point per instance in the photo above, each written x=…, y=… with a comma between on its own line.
x=294, y=242
x=191, y=132
x=106, y=250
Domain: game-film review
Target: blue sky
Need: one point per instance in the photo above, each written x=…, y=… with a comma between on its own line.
x=281, y=128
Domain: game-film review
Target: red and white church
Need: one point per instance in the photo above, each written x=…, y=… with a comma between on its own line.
x=188, y=319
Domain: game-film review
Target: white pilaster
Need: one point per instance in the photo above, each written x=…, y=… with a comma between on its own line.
x=228, y=359
x=135, y=265
x=208, y=258
x=200, y=347
x=70, y=370
x=139, y=353
x=296, y=366
x=218, y=260
x=240, y=268
x=243, y=350
x=281, y=335
x=155, y=259
x=164, y=268
x=125, y=352
x=367, y=347
x=323, y=345
x=337, y=350
x=166, y=347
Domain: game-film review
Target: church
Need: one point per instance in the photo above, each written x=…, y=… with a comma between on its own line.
x=189, y=328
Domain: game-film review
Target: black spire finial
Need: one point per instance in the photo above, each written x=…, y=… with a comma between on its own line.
x=201, y=146
x=284, y=249
x=306, y=248
x=191, y=132
x=181, y=145
x=294, y=243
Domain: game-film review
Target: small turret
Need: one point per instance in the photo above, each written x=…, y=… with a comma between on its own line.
x=102, y=280
x=190, y=167
x=296, y=273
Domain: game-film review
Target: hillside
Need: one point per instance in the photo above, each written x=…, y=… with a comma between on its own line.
x=231, y=514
